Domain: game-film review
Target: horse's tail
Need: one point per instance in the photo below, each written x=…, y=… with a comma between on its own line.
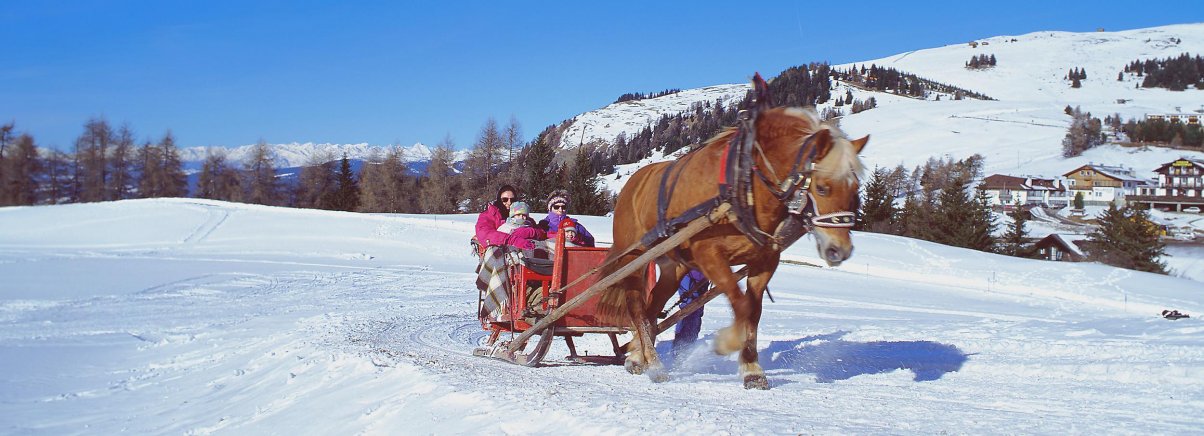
x=612, y=304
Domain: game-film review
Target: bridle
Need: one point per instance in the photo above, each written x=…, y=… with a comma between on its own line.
x=793, y=191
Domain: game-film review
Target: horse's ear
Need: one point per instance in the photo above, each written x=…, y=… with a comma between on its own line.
x=761, y=98
x=859, y=144
x=822, y=141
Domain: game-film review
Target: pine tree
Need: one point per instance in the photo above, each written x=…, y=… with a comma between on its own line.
x=540, y=178
x=121, y=165
x=512, y=138
x=58, y=178
x=1078, y=200
x=405, y=189
x=23, y=172
x=915, y=218
x=148, y=164
x=260, y=183
x=583, y=187
x=6, y=132
x=1085, y=132
x=480, y=170
x=373, y=184
x=91, y=151
x=1126, y=238
x=217, y=180
x=878, y=209
x=316, y=183
x=1014, y=238
x=440, y=190
x=175, y=181
x=961, y=220
x=347, y=191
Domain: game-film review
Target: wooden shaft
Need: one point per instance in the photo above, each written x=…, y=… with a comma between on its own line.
x=697, y=225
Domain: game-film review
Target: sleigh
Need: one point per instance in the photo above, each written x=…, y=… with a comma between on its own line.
x=567, y=285
x=547, y=278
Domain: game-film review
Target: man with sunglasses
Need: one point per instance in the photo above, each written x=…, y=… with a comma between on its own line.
x=493, y=217
x=558, y=210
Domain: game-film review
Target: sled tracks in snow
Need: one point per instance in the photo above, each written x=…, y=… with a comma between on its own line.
x=216, y=217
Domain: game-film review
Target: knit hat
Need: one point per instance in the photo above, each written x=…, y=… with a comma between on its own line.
x=558, y=196
x=519, y=207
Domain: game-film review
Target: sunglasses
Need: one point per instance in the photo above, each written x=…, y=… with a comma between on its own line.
x=507, y=199
x=558, y=207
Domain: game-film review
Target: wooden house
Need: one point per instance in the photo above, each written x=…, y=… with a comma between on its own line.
x=1061, y=247
x=1101, y=184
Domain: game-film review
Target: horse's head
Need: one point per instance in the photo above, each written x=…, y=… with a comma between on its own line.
x=831, y=197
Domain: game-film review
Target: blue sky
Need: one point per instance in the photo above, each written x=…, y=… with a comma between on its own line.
x=230, y=73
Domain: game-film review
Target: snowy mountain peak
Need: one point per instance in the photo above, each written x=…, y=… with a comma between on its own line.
x=297, y=154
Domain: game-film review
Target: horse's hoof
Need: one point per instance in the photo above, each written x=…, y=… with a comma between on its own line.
x=634, y=367
x=756, y=382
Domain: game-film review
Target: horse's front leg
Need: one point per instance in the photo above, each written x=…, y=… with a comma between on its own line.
x=758, y=281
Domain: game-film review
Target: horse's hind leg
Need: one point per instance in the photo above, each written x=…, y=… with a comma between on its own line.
x=644, y=344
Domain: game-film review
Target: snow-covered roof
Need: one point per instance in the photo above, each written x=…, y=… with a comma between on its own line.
x=1002, y=181
x=1113, y=172
x=1068, y=241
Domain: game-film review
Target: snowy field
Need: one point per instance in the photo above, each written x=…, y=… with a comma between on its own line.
x=191, y=316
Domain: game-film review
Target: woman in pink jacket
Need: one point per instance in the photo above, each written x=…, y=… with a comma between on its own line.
x=493, y=217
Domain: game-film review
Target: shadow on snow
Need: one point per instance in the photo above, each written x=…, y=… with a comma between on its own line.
x=829, y=358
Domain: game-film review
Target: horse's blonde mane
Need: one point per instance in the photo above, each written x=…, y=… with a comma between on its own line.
x=842, y=161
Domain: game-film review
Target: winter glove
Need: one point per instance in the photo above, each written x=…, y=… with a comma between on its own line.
x=516, y=241
x=525, y=233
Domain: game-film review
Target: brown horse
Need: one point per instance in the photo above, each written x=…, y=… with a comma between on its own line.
x=783, y=136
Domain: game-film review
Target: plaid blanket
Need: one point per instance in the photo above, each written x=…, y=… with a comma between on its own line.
x=493, y=283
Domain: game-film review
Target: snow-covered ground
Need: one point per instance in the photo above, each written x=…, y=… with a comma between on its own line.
x=193, y=316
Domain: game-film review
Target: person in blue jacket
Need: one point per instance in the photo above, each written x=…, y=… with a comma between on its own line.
x=692, y=286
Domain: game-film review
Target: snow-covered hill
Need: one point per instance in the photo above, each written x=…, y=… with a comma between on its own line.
x=1018, y=133
x=632, y=116
x=195, y=316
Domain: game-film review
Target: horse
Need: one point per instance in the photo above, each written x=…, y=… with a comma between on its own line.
x=828, y=178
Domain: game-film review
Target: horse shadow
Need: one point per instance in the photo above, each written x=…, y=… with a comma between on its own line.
x=830, y=358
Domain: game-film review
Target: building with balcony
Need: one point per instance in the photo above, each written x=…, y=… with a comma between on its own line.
x=1180, y=184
